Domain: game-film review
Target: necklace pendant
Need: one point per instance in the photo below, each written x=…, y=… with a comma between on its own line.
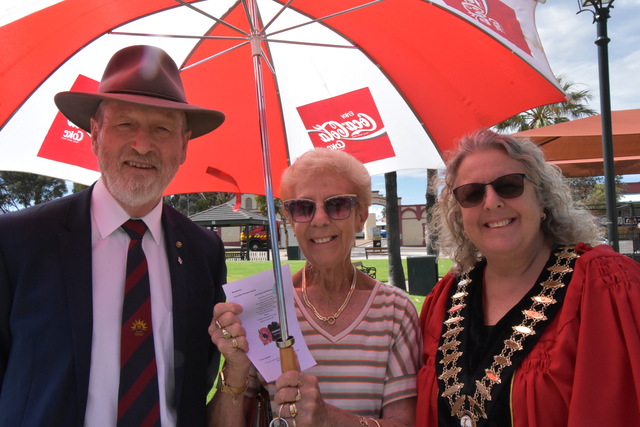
x=466, y=419
x=331, y=320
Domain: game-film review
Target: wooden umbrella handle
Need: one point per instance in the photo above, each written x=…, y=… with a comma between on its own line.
x=289, y=360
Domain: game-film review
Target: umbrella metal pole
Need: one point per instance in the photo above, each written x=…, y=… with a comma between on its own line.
x=288, y=359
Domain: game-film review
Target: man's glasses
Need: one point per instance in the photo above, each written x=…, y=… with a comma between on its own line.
x=507, y=186
x=336, y=207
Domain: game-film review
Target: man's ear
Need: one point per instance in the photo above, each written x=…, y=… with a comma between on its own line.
x=185, y=143
x=94, y=132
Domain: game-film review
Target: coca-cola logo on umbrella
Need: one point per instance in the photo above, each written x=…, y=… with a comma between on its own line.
x=349, y=122
x=495, y=15
x=66, y=142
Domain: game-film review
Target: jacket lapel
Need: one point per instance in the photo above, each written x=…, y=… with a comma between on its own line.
x=174, y=240
x=75, y=249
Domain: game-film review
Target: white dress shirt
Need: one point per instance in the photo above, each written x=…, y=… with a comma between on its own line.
x=109, y=245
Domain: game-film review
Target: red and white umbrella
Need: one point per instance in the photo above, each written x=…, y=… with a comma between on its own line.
x=409, y=77
x=394, y=82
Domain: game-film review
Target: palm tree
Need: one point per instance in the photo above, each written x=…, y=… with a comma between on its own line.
x=551, y=114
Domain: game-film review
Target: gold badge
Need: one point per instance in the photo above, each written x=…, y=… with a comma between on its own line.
x=139, y=327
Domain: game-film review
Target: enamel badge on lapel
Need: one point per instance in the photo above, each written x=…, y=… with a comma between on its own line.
x=179, y=245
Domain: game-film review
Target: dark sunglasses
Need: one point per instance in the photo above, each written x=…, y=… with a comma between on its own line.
x=336, y=207
x=507, y=186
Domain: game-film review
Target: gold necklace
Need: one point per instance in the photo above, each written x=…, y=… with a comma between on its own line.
x=470, y=409
x=330, y=319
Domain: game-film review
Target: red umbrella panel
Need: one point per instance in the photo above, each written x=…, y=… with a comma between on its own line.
x=395, y=82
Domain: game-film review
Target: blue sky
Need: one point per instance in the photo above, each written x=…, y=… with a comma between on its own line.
x=568, y=39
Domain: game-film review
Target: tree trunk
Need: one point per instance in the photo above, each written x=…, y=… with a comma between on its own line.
x=396, y=272
x=432, y=240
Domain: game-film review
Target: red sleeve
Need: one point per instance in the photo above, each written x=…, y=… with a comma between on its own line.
x=431, y=317
x=585, y=370
x=606, y=389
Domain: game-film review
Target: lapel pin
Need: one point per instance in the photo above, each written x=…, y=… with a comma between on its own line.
x=178, y=244
x=179, y=260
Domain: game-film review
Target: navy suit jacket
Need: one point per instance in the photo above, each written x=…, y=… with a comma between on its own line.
x=46, y=312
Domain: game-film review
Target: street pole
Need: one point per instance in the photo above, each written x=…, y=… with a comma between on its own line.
x=601, y=16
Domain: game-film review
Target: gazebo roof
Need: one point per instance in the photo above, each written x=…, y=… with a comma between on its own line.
x=224, y=215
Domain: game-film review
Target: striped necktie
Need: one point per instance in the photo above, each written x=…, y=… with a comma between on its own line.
x=138, y=402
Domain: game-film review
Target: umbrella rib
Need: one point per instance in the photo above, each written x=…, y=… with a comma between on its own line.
x=311, y=43
x=282, y=9
x=256, y=33
x=266, y=60
x=208, y=15
x=324, y=18
x=176, y=36
x=245, y=7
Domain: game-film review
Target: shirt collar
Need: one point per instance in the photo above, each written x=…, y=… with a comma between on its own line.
x=109, y=215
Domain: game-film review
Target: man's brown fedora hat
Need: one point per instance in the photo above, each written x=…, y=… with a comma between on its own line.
x=143, y=75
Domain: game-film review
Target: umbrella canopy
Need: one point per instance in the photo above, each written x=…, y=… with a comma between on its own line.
x=576, y=146
x=407, y=79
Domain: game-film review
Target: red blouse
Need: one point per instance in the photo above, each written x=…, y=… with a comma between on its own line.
x=585, y=368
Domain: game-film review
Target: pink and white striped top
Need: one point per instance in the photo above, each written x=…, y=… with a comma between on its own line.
x=371, y=363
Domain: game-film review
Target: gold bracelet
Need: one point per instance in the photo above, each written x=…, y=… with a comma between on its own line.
x=236, y=392
x=375, y=421
x=362, y=421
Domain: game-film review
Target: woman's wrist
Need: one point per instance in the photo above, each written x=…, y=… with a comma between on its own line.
x=231, y=386
x=234, y=376
x=370, y=422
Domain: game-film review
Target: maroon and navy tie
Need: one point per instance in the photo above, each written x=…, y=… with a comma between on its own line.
x=138, y=402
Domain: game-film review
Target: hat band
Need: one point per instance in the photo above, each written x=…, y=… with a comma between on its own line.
x=149, y=94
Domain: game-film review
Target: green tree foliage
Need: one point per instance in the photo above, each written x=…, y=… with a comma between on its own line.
x=192, y=203
x=19, y=190
x=590, y=191
x=574, y=108
x=261, y=205
x=78, y=187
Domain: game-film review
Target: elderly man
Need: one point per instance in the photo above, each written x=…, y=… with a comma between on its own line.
x=106, y=295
